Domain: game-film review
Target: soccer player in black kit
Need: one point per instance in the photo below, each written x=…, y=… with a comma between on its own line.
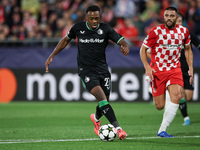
x=188, y=88
x=93, y=38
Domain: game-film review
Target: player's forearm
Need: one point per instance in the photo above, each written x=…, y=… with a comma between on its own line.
x=190, y=60
x=189, y=57
x=60, y=46
x=143, y=56
x=124, y=47
x=123, y=43
x=148, y=55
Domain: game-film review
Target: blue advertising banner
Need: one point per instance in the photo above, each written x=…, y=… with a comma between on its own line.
x=23, y=77
x=35, y=57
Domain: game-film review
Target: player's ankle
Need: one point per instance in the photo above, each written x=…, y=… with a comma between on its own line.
x=95, y=119
x=117, y=128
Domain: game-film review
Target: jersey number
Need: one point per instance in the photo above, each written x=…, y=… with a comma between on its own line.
x=107, y=81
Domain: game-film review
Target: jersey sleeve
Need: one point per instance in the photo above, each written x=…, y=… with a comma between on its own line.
x=72, y=32
x=187, y=37
x=113, y=35
x=150, y=39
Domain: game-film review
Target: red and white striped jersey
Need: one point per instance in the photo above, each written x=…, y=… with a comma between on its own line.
x=165, y=45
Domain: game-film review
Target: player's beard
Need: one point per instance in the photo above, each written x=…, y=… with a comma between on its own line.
x=170, y=26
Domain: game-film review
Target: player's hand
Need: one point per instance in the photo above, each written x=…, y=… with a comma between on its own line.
x=48, y=61
x=190, y=73
x=124, y=50
x=149, y=73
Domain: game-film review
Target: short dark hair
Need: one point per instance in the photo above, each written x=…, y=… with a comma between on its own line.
x=172, y=8
x=92, y=8
x=180, y=15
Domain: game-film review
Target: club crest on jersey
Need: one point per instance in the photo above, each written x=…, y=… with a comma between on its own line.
x=100, y=32
x=87, y=79
x=180, y=37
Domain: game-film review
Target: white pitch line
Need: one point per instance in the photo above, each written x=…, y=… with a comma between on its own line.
x=41, y=141
x=155, y=137
x=75, y=140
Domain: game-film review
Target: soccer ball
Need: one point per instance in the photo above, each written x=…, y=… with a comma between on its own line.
x=107, y=132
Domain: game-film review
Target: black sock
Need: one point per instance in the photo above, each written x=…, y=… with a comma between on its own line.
x=183, y=109
x=109, y=114
x=99, y=113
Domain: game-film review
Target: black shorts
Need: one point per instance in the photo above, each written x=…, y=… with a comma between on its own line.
x=186, y=80
x=91, y=80
x=186, y=77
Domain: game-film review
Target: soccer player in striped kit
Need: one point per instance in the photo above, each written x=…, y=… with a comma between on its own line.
x=164, y=72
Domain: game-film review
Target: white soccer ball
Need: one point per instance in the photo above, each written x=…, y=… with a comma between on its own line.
x=107, y=132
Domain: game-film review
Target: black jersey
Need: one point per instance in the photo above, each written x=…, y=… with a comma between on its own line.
x=196, y=42
x=92, y=45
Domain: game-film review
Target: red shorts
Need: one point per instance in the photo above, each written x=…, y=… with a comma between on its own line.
x=165, y=78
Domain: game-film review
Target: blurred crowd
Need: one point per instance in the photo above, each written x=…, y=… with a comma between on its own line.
x=36, y=19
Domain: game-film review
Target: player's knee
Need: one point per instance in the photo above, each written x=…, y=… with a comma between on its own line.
x=159, y=107
x=159, y=102
x=188, y=98
x=179, y=95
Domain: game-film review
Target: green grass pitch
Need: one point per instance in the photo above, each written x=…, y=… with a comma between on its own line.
x=67, y=126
